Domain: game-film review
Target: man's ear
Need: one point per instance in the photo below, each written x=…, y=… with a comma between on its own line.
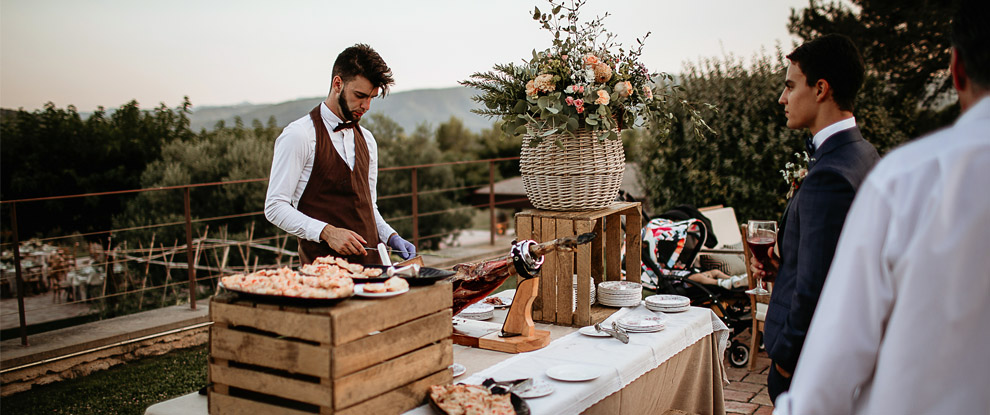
x=958, y=71
x=823, y=90
x=337, y=84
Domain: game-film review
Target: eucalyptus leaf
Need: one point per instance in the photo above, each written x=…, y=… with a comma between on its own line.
x=543, y=102
x=590, y=121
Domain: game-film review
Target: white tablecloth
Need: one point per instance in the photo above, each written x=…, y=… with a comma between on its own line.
x=620, y=363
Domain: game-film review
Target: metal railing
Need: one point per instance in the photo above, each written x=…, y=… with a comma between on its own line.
x=193, y=245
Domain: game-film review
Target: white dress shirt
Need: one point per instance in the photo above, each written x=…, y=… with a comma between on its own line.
x=829, y=131
x=292, y=165
x=903, y=325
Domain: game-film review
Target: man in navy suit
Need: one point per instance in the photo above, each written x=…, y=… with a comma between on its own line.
x=819, y=90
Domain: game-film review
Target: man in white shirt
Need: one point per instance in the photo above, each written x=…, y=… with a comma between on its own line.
x=903, y=325
x=819, y=92
x=325, y=169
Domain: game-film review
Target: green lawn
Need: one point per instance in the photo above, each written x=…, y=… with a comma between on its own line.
x=125, y=389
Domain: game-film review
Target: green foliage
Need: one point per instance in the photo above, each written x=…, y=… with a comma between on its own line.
x=126, y=389
x=739, y=165
x=54, y=152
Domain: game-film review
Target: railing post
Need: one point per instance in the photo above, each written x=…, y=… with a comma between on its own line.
x=491, y=199
x=19, y=283
x=189, y=251
x=415, y=208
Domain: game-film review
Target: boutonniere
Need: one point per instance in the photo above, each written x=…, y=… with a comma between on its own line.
x=794, y=173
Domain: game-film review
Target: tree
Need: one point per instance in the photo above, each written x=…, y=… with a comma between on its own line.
x=54, y=152
x=906, y=47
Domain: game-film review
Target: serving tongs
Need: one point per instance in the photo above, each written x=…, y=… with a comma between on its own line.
x=502, y=387
x=616, y=331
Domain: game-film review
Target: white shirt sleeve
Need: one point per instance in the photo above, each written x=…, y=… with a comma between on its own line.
x=292, y=151
x=846, y=332
x=384, y=230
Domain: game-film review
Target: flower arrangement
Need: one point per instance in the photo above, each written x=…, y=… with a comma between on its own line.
x=584, y=80
x=794, y=173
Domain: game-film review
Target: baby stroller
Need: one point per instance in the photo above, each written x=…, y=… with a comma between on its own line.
x=670, y=249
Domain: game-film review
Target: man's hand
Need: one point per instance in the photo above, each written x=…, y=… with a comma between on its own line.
x=405, y=249
x=766, y=272
x=344, y=241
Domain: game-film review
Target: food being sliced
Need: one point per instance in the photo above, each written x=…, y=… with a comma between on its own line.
x=289, y=283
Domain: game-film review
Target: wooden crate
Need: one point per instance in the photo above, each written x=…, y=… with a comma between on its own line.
x=599, y=260
x=359, y=356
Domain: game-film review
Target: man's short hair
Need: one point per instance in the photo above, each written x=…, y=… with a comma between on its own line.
x=361, y=59
x=971, y=38
x=835, y=59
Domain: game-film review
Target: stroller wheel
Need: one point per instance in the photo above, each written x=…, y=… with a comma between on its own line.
x=738, y=354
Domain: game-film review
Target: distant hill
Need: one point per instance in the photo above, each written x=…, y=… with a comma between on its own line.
x=408, y=108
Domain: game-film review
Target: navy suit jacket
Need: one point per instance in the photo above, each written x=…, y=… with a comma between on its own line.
x=807, y=238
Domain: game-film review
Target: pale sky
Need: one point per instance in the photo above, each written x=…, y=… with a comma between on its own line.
x=221, y=52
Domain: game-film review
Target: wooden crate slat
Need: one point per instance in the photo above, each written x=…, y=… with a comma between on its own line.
x=400, y=399
x=613, y=254
x=230, y=405
x=270, y=352
x=634, y=224
x=271, y=384
x=598, y=253
x=359, y=317
x=362, y=353
x=582, y=313
x=312, y=327
x=389, y=375
x=548, y=272
x=565, y=276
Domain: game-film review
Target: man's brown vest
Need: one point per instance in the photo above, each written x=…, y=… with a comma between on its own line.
x=338, y=195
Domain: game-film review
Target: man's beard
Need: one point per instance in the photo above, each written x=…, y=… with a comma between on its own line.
x=344, y=109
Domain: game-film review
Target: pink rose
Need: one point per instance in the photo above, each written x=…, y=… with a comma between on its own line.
x=580, y=109
x=578, y=102
x=569, y=101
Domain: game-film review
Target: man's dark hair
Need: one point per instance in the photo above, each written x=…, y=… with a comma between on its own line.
x=971, y=38
x=361, y=59
x=835, y=59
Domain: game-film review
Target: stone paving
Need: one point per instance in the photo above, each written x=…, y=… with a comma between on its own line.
x=746, y=392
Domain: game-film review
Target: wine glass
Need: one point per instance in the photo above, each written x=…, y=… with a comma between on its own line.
x=761, y=235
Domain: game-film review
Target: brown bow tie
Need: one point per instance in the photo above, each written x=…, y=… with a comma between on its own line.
x=345, y=125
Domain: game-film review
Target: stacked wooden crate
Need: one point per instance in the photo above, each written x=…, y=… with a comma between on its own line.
x=590, y=264
x=360, y=356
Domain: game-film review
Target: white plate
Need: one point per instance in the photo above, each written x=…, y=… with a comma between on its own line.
x=574, y=372
x=458, y=369
x=359, y=291
x=612, y=286
x=668, y=300
x=636, y=322
x=590, y=331
x=478, y=308
x=539, y=389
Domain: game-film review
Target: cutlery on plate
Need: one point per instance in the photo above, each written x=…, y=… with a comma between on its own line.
x=615, y=331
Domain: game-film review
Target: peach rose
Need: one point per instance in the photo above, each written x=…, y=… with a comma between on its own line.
x=590, y=60
x=624, y=88
x=603, y=98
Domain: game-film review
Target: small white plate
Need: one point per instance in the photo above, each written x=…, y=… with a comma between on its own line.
x=590, y=331
x=359, y=291
x=539, y=389
x=458, y=369
x=574, y=372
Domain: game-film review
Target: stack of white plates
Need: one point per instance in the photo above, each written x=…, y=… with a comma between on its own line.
x=641, y=324
x=668, y=303
x=478, y=311
x=620, y=293
x=592, y=293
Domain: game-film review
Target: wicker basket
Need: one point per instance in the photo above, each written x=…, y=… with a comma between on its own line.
x=584, y=175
